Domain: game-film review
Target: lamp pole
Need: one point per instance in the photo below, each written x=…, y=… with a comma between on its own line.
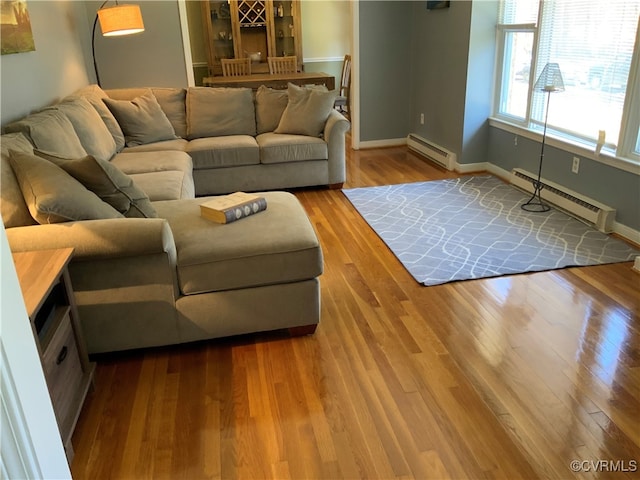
x=549, y=81
x=532, y=205
x=117, y=20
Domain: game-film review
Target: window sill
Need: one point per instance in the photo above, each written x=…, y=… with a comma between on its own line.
x=568, y=146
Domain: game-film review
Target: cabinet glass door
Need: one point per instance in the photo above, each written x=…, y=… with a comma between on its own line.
x=220, y=32
x=284, y=28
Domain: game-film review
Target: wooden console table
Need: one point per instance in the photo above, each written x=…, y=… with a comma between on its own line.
x=48, y=297
x=274, y=81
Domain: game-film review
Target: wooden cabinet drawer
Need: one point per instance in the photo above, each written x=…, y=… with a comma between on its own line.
x=48, y=297
x=63, y=370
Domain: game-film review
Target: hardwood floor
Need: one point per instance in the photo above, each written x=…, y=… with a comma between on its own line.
x=512, y=377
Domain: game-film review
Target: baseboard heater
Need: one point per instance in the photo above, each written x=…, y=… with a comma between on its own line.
x=433, y=152
x=594, y=213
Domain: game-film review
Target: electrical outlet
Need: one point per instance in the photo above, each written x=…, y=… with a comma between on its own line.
x=575, y=167
x=422, y=119
x=515, y=141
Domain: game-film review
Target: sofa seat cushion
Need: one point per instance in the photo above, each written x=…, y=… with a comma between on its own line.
x=159, y=161
x=178, y=144
x=229, y=151
x=166, y=185
x=176, y=184
x=282, y=148
x=278, y=245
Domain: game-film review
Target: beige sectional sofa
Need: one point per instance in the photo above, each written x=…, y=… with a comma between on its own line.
x=232, y=137
x=119, y=176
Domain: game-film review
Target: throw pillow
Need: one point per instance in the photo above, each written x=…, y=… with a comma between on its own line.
x=141, y=119
x=54, y=196
x=307, y=111
x=270, y=104
x=216, y=112
x=108, y=182
x=13, y=208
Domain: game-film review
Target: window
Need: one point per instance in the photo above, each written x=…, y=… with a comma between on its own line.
x=596, y=45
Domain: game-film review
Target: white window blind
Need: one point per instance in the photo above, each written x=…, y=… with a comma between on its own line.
x=593, y=42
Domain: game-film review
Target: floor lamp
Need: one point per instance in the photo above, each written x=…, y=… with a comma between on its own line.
x=549, y=81
x=120, y=19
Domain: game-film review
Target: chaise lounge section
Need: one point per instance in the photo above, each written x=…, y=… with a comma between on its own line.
x=170, y=276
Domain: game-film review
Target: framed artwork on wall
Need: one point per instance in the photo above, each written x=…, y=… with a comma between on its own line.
x=436, y=5
x=15, y=27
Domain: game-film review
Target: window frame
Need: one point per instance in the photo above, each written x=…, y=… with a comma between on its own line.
x=502, y=32
x=623, y=156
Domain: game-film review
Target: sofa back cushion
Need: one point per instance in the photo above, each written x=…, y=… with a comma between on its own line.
x=173, y=103
x=171, y=100
x=141, y=119
x=91, y=130
x=15, y=212
x=270, y=104
x=215, y=112
x=54, y=196
x=94, y=94
x=50, y=130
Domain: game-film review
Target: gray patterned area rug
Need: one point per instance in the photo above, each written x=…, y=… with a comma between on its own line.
x=473, y=227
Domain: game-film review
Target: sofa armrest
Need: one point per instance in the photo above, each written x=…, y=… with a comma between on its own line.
x=335, y=131
x=98, y=239
x=124, y=278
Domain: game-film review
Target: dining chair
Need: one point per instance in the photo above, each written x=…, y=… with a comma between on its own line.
x=343, y=99
x=279, y=65
x=235, y=67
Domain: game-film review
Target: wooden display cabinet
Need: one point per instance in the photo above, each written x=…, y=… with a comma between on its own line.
x=48, y=296
x=240, y=28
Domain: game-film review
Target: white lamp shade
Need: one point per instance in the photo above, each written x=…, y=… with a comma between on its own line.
x=120, y=20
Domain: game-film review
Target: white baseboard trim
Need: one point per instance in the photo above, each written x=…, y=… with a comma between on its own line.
x=391, y=142
x=498, y=171
x=471, y=167
x=627, y=232
x=636, y=265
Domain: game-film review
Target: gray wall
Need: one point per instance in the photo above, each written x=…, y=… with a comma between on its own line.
x=56, y=68
x=385, y=69
x=154, y=57
x=437, y=62
x=440, y=45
